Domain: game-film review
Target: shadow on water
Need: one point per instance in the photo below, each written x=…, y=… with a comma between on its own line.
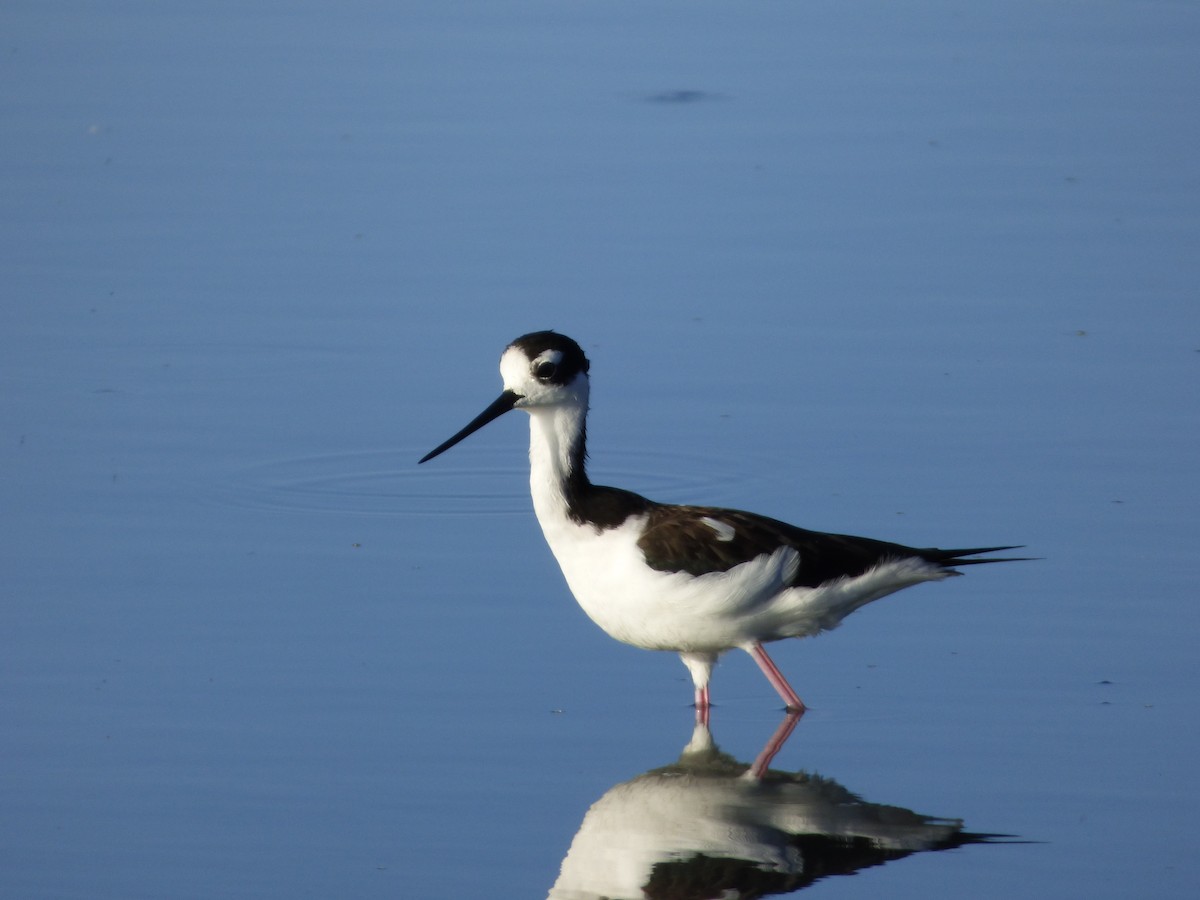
x=708, y=825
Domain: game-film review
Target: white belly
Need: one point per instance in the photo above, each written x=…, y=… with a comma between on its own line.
x=717, y=611
x=666, y=610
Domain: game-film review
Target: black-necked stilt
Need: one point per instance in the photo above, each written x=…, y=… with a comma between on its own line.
x=697, y=580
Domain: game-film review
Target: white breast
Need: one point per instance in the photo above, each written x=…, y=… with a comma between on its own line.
x=665, y=610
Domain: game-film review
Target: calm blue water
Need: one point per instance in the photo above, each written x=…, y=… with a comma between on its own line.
x=925, y=274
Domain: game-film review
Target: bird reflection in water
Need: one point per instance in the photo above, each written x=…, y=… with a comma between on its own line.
x=710, y=826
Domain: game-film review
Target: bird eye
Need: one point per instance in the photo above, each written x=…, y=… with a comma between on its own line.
x=545, y=370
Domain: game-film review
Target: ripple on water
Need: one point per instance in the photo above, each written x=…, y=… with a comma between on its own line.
x=390, y=483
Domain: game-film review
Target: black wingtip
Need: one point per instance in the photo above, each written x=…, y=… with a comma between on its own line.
x=952, y=558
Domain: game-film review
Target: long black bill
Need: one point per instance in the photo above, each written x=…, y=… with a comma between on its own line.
x=499, y=407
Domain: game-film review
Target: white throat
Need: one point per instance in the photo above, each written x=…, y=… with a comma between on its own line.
x=555, y=435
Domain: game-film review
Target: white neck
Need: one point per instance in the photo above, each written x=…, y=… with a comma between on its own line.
x=555, y=436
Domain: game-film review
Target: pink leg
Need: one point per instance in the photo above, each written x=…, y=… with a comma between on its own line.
x=700, y=666
x=702, y=706
x=790, y=700
x=760, y=765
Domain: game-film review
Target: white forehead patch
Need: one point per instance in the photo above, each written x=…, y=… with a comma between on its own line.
x=725, y=531
x=553, y=356
x=514, y=368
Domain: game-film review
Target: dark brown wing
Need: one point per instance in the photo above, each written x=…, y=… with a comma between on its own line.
x=679, y=539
